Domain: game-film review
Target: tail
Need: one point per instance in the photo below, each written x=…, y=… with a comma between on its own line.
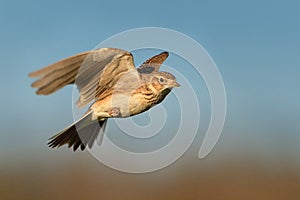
x=80, y=134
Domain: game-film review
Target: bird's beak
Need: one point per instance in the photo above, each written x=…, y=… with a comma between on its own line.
x=175, y=84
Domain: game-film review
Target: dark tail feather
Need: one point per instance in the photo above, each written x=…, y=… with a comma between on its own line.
x=80, y=134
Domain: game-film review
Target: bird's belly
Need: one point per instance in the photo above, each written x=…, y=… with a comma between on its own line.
x=126, y=104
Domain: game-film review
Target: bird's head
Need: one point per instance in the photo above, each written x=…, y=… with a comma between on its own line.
x=164, y=81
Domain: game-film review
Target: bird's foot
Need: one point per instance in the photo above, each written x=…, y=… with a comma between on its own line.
x=114, y=112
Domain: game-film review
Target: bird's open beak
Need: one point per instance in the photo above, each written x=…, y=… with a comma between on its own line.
x=175, y=84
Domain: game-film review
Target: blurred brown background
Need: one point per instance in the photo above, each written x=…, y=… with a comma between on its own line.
x=66, y=175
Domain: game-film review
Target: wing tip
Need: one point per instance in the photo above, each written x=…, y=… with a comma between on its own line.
x=165, y=53
x=33, y=74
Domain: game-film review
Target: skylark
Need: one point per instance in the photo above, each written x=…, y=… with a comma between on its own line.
x=106, y=78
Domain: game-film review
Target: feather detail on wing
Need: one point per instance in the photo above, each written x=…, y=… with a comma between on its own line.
x=92, y=85
x=153, y=63
x=57, y=75
x=93, y=72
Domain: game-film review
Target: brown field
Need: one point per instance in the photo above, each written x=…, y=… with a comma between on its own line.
x=82, y=177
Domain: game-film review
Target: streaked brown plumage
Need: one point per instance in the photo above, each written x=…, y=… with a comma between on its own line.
x=108, y=78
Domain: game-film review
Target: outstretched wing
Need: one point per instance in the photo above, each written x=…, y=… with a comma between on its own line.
x=153, y=63
x=93, y=72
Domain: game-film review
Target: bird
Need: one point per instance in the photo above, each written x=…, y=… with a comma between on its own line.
x=109, y=84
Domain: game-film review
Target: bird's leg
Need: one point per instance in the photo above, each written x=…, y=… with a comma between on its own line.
x=114, y=112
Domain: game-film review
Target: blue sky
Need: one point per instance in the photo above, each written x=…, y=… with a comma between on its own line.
x=255, y=44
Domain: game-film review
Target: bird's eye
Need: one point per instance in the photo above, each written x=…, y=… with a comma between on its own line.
x=161, y=80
